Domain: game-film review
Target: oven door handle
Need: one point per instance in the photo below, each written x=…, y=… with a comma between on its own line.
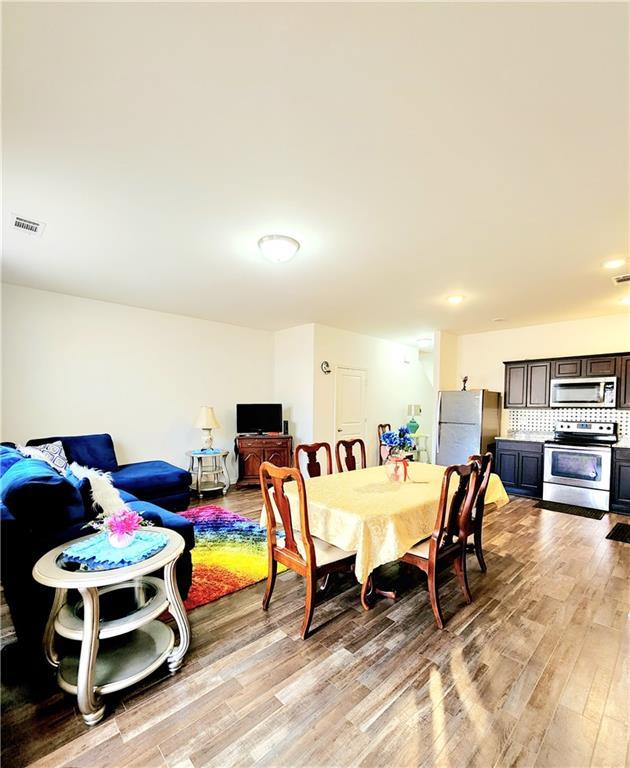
x=602, y=449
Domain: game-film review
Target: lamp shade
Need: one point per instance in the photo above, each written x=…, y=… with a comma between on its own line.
x=207, y=419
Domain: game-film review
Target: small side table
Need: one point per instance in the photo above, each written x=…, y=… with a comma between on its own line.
x=216, y=467
x=123, y=645
x=422, y=447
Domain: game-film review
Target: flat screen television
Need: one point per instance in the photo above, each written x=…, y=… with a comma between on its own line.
x=258, y=417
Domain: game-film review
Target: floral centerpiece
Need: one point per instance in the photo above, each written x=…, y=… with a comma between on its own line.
x=120, y=526
x=400, y=443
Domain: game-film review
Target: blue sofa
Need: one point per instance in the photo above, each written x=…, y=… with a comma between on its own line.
x=155, y=481
x=41, y=508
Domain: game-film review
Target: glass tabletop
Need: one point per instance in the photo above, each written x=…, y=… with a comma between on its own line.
x=123, y=600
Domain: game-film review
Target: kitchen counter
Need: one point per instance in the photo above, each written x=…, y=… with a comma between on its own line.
x=527, y=437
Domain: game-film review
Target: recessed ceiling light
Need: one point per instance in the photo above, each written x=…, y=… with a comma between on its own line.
x=278, y=248
x=614, y=263
x=625, y=300
x=455, y=299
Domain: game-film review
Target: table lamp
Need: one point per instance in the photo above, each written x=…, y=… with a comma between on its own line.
x=412, y=424
x=207, y=421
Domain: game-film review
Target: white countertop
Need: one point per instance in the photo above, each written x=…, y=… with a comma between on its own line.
x=531, y=437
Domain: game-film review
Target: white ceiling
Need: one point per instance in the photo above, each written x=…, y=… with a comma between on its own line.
x=414, y=150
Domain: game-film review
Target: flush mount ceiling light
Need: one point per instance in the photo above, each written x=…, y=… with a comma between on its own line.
x=424, y=343
x=455, y=299
x=278, y=248
x=614, y=263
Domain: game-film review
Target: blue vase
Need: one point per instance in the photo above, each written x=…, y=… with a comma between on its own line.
x=412, y=426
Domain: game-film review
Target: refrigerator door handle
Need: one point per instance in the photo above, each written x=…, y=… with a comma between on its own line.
x=437, y=426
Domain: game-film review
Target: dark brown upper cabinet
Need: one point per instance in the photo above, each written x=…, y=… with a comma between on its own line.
x=527, y=382
x=623, y=393
x=600, y=366
x=538, y=385
x=527, y=385
x=575, y=367
x=515, y=385
x=571, y=368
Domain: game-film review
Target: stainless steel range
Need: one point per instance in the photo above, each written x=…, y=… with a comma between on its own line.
x=577, y=464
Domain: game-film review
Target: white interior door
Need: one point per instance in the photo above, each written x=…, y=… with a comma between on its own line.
x=350, y=405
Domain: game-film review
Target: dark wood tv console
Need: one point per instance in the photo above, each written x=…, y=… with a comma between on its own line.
x=252, y=450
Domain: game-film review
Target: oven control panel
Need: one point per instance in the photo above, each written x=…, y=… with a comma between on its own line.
x=586, y=427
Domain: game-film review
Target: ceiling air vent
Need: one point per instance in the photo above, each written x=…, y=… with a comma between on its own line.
x=621, y=279
x=27, y=225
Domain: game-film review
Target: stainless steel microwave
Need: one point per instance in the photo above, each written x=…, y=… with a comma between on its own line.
x=584, y=393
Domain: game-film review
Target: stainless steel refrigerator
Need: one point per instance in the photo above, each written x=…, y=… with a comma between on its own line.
x=467, y=423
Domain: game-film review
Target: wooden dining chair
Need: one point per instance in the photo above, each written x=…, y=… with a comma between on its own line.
x=447, y=544
x=483, y=478
x=380, y=429
x=313, y=467
x=303, y=553
x=349, y=458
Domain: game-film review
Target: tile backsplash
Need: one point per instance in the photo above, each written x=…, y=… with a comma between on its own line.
x=544, y=419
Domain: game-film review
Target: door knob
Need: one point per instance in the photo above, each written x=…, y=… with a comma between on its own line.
x=340, y=430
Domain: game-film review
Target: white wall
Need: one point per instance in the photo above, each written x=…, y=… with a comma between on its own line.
x=395, y=378
x=293, y=379
x=76, y=366
x=481, y=355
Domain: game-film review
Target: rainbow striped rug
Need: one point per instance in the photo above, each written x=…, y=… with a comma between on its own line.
x=230, y=553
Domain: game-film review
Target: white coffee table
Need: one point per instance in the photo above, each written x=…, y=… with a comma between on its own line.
x=118, y=651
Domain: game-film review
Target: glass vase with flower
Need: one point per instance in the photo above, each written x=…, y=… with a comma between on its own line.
x=399, y=444
x=120, y=526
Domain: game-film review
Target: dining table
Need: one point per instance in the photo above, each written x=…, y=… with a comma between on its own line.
x=364, y=511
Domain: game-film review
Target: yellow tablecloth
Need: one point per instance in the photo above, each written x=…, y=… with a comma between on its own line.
x=363, y=511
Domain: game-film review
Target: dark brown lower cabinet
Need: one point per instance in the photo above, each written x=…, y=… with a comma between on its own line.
x=620, y=481
x=519, y=464
x=252, y=450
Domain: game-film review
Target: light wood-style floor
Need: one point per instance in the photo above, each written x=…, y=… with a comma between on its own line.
x=535, y=672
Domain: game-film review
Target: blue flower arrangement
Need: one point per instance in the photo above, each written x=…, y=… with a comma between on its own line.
x=399, y=440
